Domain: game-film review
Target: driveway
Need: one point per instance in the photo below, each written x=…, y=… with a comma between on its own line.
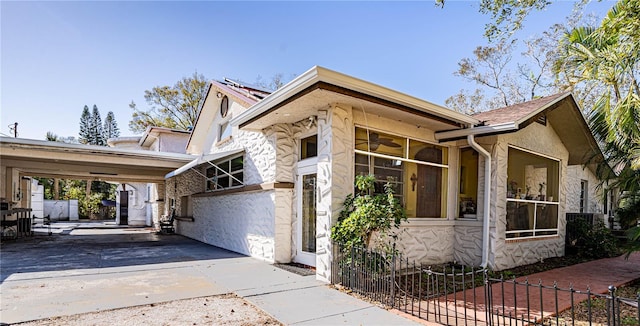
x=99, y=268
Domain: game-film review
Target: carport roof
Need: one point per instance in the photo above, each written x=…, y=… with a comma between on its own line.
x=77, y=161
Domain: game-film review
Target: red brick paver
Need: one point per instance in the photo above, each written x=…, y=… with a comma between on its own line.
x=595, y=276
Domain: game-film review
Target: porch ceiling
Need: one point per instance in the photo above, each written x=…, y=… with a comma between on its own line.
x=74, y=161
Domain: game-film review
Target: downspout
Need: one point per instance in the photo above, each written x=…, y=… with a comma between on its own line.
x=486, y=199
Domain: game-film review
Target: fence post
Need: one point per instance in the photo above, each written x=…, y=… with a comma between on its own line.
x=611, y=309
x=487, y=297
x=351, y=271
x=393, y=277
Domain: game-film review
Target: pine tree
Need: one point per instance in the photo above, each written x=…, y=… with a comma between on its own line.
x=85, y=126
x=96, y=128
x=110, y=129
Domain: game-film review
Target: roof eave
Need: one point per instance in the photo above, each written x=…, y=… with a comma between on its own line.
x=318, y=74
x=449, y=135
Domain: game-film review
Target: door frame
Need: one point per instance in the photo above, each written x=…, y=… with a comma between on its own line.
x=305, y=167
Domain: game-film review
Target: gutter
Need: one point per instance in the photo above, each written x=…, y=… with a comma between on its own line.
x=448, y=135
x=486, y=199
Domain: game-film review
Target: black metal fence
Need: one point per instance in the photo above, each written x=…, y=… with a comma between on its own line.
x=458, y=295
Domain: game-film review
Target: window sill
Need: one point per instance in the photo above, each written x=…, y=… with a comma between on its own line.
x=224, y=141
x=185, y=218
x=517, y=240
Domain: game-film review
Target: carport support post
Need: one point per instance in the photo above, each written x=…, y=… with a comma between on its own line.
x=335, y=179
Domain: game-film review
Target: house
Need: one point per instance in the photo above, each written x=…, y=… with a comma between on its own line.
x=140, y=203
x=272, y=171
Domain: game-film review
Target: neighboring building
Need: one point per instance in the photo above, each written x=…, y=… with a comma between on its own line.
x=272, y=171
x=138, y=203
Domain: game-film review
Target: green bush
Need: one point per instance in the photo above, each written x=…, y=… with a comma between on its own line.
x=628, y=212
x=590, y=241
x=366, y=213
x=90, y=206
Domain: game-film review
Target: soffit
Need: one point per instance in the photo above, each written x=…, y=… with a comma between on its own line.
x=323, y=97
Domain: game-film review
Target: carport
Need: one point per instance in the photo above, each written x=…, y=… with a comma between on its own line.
x=24, y=158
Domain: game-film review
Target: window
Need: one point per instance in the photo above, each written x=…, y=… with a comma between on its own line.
x=225, y=174
x=468, y=197
x=532, y=193
x=224, y=106
x=186, y=208
x=417, y=170
x=584, y=190
x=225, y=131
x=309, y=147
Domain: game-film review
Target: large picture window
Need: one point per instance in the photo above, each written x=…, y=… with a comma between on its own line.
x=532, y=194
x=225, y=174
x=417, y=170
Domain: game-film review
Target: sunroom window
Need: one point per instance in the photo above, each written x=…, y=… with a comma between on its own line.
x=532, y=194
x=417, y=170
x=225, y=174
x=468, y=197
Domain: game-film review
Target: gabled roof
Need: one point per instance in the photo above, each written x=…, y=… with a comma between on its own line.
x=560, y=110
x=245, y=94
x=154, y=131
x=519, y=113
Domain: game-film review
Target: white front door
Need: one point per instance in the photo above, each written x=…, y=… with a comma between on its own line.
x=306, y=231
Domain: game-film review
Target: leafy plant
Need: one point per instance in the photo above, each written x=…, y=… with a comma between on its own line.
x=366, y=213
x=91, y=205
x=592, y=241
x=628, y=213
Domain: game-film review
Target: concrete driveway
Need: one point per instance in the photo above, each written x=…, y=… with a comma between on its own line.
x=98, y=267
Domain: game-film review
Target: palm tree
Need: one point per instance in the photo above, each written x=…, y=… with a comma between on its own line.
x=609, y=56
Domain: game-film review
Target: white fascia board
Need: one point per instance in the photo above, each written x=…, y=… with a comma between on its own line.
x=184, y=168
x=476, y=131
x=317, y=74
x=293, y=87
x=8, y=142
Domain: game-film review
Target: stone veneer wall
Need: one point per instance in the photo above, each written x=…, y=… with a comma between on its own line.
x=428, y=241
x=287, y=137
x=240, y=222
x=575, y=174
x=256, y=223
x=335, y=178
x=468, y=243
x=510, y=253
x=185, y=184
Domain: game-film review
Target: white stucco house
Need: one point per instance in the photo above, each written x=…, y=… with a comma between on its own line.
x=140, y=203
x=273, y=169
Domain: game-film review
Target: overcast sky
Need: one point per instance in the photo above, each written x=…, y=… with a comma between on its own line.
x=57, y=57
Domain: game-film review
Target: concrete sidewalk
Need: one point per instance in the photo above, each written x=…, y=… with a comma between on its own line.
x=91, y=270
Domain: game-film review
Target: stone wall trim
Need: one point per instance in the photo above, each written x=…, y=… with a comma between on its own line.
x=248, y=188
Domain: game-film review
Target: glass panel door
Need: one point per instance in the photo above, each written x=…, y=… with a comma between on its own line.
x=306, y=214
x=308, y=211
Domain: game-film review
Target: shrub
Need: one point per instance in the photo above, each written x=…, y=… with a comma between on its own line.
x=366, y=213
x=590, y=241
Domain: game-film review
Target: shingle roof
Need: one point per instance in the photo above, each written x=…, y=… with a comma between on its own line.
x=516, y=112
